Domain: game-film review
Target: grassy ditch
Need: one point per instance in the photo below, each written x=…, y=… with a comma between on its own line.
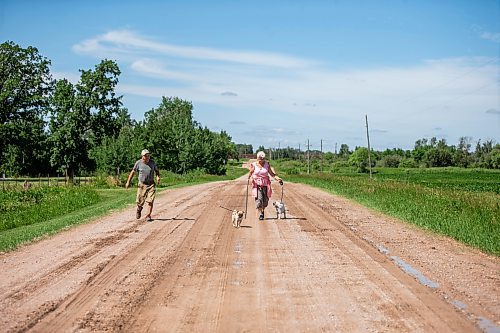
x=51, y=213
x=27, y=215
x=467, y=210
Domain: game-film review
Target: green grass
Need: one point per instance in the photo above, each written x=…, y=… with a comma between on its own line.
x=41, y=211
x=474, y=180
x=18, y=207
x=107, y=200
x=456, y=206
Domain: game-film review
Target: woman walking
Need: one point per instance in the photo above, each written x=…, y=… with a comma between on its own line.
x=261, y=182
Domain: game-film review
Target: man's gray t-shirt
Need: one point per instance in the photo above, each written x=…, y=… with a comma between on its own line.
x=146, y=171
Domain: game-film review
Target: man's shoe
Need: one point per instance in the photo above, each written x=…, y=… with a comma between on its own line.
x=148, y=218
x=261, y=217
x=138, y=213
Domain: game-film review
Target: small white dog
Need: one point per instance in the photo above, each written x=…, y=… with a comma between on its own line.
x=237, y=217
x=280, y=209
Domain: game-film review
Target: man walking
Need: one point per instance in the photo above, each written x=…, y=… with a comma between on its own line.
x=146, y=189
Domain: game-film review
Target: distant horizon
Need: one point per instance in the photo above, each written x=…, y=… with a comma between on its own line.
x=280, y=73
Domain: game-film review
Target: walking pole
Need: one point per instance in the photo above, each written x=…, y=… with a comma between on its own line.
x=246, y=200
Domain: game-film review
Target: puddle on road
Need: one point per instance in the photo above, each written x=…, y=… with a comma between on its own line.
x=488, y=326
x=407, y=268
x=382, y=249
x=459, y=305
x=415, y=273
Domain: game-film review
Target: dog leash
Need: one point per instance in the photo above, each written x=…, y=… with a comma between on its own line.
x=246, y=199
x=226, y=208
x=281, y=192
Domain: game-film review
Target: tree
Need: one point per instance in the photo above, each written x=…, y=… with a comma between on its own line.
x=244, y=148
x=25, y=88
x=115, y=155
x=69, y=145
x=359, y=159
x=390, y=161
x=344, y=151
x=495, y=157
x=83, y=115
x=96, y=99
x=421, y=148
x=439, y=157
x=482, y=155
x=462, y=156
x=170, y=129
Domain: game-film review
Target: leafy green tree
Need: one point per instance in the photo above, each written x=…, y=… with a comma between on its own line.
x=25, y=88
x=69, y=145
x=390, y=161
x=344, y=151
x=482, y=155
x=495, y=157
x=359, y=159
x=97, y=100
x=221, y=147
x=117, y=155
x=244, y=148
x=170, y=130
x=422, y=146
x=461, y=155
x=329, y=157
x=180, y=144
x=82, y=116
x=408, y=162
x=438, y=157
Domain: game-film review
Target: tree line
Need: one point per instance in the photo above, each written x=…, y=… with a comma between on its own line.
x=50, y=126
x=426, y=153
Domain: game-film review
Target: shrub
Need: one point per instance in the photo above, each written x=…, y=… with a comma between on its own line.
x=390, y=161
x=408, y=163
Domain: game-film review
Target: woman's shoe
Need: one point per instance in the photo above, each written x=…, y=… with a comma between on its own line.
x=261, y=217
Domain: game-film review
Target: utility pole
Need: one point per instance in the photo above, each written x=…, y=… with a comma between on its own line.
x=368, y=138
x=321, y=150
x=308, y=158
x=335, y=148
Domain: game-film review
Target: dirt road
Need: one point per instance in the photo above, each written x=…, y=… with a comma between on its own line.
x=331, y=266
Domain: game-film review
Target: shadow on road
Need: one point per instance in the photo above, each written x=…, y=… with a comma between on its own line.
x=174, y=219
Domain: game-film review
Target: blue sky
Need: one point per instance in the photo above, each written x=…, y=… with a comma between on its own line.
x=277, y=73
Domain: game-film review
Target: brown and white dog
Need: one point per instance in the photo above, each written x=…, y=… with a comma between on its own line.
x=236, y=218
x=280, y=209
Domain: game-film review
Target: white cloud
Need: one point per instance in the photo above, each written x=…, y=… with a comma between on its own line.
x=493, y=36
x=128, y=42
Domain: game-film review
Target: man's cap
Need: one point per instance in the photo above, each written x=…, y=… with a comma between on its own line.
x=144, y=152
